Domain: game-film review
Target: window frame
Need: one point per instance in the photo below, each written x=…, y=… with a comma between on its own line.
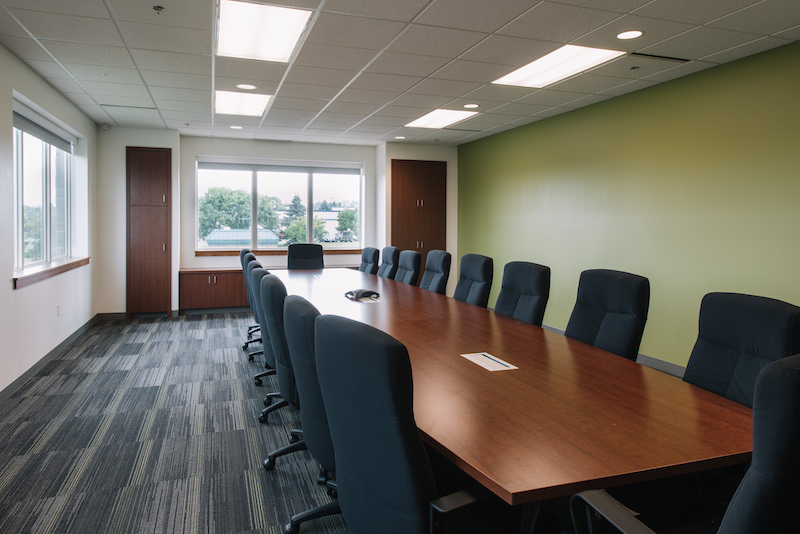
x=309, y=168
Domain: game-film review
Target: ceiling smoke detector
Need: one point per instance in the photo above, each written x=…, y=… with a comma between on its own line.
x=159, y=9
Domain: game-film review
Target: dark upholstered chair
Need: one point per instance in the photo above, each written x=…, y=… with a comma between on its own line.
x=610, y=311
x=389, y=261
x=245, y=256
x=738, y=335
x=408, y=267
x=299, y=318
x=305, y=256
x=437, y=271
x=475, y=279
x=767, y=497
x=369, y=260
x=256, y=274
x=383, y=472
x=525, y=291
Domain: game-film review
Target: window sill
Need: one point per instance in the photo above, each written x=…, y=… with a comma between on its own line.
x=274, y=252
x=31, y=275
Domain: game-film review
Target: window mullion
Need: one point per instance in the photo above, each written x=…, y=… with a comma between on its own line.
x=310, y=208
x=254, y=210
x=46, y=215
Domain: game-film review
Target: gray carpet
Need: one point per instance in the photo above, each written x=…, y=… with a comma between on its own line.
x=150, y=426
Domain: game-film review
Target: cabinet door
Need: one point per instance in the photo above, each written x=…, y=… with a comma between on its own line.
x=148, y=260
x=419, y=184
x=196, y=291
x=149, y=171
x=229, y=290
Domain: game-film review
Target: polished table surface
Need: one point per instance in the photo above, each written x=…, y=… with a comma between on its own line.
x=571, y=417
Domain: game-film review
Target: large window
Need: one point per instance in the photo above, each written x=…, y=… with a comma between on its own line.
x=42, y=167
x=289, y=204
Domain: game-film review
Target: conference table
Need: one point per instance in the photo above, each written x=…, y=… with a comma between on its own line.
x=560, y=417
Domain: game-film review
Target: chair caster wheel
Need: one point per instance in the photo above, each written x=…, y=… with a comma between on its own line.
x=293, y=438
x=267, y=401
x=269, y=464
x=257, y=381
x=244, y=347
x=262, y=418
x=291, y=529
x=250, y=357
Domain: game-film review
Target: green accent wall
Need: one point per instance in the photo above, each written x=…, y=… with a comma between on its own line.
x=694, y=183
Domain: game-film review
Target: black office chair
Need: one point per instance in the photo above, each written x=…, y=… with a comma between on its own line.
x=385, y=479
x=738, y=335
x=475, y=279
x=245, y=256
x=305, y=256
x=525, y=291
x=369, y=260
x=256, y=274
x=408, y=267
x=610, y=311
x=389, y=261
x=299, y=317
x=767, y=497
x=437, y=271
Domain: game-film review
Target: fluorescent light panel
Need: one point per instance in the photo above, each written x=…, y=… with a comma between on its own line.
x=257, y=31
x=441, y=118
x=556, y=66
x=233, y=103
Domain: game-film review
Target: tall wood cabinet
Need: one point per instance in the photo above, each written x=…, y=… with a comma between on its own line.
x=148, y=213
x=419, y=200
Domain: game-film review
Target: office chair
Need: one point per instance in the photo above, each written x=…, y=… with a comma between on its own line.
x=369, y=260
x=305, y=256
x=256, y=274
x=245, y=256
x=610, y=311
x=385, y=479
x=437, y=271
x=738, y=334
x=388, y=267
x=525, y=291
x=475, y=279
x=408, y=267
x=299, y=318
x=766, y=498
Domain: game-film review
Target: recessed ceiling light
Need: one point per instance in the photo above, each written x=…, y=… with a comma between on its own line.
x=632, y=34
x=441, y=118
x=246, y=86
x=556, y=66
x=471, y=106
x=257, y=31
x=236, y=127
x=233, y=103
x=399, y=136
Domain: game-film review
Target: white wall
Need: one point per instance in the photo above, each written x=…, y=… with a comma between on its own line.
x=192, y=147
x=111, y=261
x=429, y=153
x=29, y=326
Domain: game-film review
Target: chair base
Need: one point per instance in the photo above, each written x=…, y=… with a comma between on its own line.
x=324, y=510
x=257, y=378
x=264, y=416
x=269, y=463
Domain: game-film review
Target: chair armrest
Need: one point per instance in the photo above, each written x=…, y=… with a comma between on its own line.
x=582, y=506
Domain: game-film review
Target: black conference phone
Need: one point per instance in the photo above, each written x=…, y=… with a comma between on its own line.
x=358, y=294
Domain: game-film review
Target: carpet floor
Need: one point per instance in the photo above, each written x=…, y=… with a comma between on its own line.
x=151, y=426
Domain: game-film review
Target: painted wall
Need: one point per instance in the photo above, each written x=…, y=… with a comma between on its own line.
x=693, y=183
x=29, y=324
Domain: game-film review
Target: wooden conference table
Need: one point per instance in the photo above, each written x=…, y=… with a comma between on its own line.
x=570, y=418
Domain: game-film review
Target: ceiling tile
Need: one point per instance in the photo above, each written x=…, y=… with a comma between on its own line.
x=699, y=42
x=588, y=83
x=682, y=69
x=435, y=41
x=557, y=22
x=263, y=87
x=472, y=71
x=747, y=49
x=422, y=101
x=351, y=31
x=82, y=8
x=116, y=89
x=509, y=50
x=178, y=40
x=629, y=87
x=634, y=67
x=248, y=69
x=691, y=11
x=25, y=48
x=551, y=97
x=188, y=116
x=66, y=85
x=620, y=6
x=300, y=74
x=177, y=13
x=183, y=105
x=189, y=95
x=343, y=57
x=500, y=93
x=654, y=31
x=407, y=64
x=304, y=104
x=477, y=15
x=319, y=92
x=171, y=62
x=362, y=109
x=108, y=101
x=177, y=79
x=383, y=9
x=436, y=87
x=517, y=108
x=373, y=81
x=47, y=68
x=89, y=54
x=69, y=27
x=768, y=17
x=92, y=73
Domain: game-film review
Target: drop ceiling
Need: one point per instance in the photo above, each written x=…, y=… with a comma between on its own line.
x=365, y=68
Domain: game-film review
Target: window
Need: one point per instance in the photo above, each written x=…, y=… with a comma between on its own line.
x=42, y=167
x=290, y=204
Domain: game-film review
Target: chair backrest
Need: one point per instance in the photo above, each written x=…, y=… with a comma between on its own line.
x=767, y=497
x=525, y=291
x=305, y=256
x=299, y=316
x=475, y=279
x=273, y=293
x=369, y=260
x=738, y=335
x=610, y=311
x=246, y=271
x=256, y=274
x=437, y=271
x=408, y=267
x=389, y=261
x=383, y=473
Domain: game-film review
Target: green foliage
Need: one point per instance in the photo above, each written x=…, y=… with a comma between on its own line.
x=322, y=206
x=267, y=216
x=295, y=210
x=296, y=231
x=348, y=220
x=223, y=207
x=32, y=229
x=319, y=229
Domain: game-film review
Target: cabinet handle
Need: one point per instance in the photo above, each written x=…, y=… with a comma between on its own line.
x=209, y=279
x=163, y=247
x=215, y=278
x=423, y=244
x=422, y=203
x=164, y=199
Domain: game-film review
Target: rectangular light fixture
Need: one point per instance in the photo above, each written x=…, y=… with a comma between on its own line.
x=441, y=118
x=556, y=66
x=233, y=103
x=258, y=31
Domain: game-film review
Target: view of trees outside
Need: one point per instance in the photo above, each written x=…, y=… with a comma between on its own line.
x=225, y=200
x=32, y=220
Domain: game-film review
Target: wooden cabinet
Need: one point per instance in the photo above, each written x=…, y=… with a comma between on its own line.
x=148, y=215
x=211, y=289
x=419, y=199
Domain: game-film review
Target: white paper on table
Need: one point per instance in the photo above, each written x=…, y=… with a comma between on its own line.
x=487, y=361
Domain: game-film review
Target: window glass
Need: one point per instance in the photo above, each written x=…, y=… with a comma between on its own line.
x=33, y=216
x=283, y=205
x=223, y=208
x=337, y=204
x=59, y=203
